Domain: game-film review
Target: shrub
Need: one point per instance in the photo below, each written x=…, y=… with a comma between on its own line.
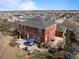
x=40, y=46
x=12, y=43
x=52, y=50
x=4, y=25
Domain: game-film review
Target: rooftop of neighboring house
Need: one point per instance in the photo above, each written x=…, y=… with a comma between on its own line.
x=61, y=27
x=37, y=21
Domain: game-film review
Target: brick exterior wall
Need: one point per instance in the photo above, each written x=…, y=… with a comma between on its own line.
x=23, y=30
x=59, y=34
x=50, y=33
x=42, y=34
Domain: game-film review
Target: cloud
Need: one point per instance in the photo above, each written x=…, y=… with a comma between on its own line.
x=29, y=5
x=17, y=5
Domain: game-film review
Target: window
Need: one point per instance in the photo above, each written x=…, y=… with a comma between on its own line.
x=36, y=30
x=39, y=30
x=27, y=28
x=31, y=29
x=19, y=26
x=23, y=27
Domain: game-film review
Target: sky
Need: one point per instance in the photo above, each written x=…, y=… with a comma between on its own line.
x=39, y=5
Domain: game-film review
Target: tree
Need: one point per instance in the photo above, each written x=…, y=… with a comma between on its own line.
x=69, y=42
x=4, y=25
x=69, y=45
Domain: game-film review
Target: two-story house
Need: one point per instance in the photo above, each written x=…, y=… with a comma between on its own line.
x=37, y=27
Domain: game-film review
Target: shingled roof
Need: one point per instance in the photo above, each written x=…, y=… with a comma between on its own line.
x=37, y=22
x=61, y=27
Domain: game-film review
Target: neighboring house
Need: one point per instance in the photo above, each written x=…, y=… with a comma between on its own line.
x=60, y=30
x=37, y=27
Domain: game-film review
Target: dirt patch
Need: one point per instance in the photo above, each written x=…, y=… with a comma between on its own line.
x=8, y=52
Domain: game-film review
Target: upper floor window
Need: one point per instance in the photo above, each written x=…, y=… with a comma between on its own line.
x=23, y=27
x=32, y=29
x=27, y=28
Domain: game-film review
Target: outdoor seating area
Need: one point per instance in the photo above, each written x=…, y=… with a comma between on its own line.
x=29, y=45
